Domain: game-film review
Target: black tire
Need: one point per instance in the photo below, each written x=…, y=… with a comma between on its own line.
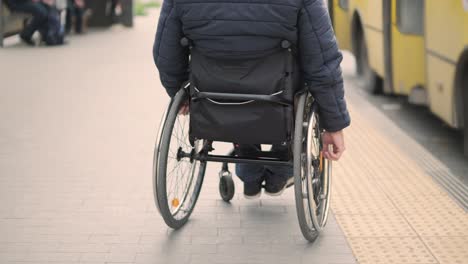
x=312, y=173
x=371, y=81
x=465, y=135
x=174, y=136
x=464, y=83
x=226, y=188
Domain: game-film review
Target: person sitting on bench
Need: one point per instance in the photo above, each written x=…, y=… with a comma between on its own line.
x=39, y=12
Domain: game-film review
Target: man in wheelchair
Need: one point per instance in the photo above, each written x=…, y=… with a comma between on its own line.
x=228, y=47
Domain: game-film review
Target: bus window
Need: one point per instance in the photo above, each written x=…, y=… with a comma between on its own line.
x=410, y=16
x=344, y=4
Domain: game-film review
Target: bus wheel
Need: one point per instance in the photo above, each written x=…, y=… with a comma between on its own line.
x=371, y=81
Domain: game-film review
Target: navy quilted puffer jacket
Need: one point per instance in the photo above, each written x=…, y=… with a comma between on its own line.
x=232, y=26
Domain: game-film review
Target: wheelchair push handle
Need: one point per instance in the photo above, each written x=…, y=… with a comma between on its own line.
x=185, y=42
x=285, y=44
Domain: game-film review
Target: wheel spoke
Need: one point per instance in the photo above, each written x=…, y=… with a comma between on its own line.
x=181, y=174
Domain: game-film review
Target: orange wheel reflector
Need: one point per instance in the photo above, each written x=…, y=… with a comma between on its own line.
x=321, y=161
x=175, y=202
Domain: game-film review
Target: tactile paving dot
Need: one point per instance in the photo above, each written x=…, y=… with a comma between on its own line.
x=390, y=250
x=448, y=250
x=374, y=225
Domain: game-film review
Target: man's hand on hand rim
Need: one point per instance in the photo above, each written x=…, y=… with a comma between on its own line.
x=333, y=145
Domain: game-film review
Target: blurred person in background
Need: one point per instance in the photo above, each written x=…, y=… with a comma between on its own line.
x=39, y=12
x=75, y=8
x=116, y=9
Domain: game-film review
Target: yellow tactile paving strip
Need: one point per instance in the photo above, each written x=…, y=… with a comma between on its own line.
x=390, y=210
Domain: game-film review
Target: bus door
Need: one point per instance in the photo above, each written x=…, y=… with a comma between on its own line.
x=387, y=31
x=404, y=45
x=339, y=10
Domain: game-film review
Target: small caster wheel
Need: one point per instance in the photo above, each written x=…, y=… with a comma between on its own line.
x=226, y=186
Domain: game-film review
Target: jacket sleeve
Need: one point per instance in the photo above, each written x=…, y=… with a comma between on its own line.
x=320, y=63
x=170, y=57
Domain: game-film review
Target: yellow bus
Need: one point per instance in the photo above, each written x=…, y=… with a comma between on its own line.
x=416, y=48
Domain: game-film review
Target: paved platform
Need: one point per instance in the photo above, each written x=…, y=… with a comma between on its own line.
x=385, y=198
x=76, y=146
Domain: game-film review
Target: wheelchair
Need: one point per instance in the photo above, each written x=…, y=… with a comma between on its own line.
x=180, y=159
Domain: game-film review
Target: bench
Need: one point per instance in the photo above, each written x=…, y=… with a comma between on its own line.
x=10, y=23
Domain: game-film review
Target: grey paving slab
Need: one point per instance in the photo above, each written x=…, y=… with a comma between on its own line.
x=76, y=146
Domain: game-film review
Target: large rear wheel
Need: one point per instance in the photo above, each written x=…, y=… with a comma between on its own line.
x=177, y=176
x=312, y=172
x=464, y=83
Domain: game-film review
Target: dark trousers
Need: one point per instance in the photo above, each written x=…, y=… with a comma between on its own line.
x=254, y=172
x=37, y=10
x=113, y=6
x=73, y=10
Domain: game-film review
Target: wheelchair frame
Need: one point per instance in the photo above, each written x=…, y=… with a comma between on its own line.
x=312, y=173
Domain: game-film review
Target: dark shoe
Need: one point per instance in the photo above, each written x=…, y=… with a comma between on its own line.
x=275, y=185
x=27, y=40
x=253, y=190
